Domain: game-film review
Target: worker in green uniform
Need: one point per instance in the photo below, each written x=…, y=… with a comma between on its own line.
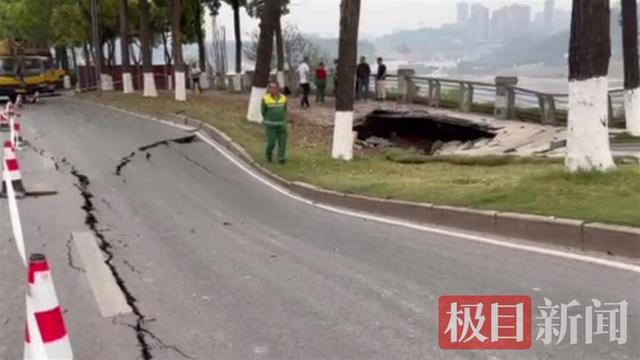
x=274, y=119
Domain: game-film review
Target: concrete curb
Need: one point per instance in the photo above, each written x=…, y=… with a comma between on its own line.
x=568, y=233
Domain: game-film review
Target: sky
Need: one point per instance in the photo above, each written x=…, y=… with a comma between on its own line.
x=377, y=17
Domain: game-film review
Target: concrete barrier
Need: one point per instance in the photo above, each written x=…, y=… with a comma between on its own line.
x=545, y=229
x=612, y=239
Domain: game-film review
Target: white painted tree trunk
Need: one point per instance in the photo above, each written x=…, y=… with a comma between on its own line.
x=587, y=129
x=237, y=82
x=149, y=86
x=67, y=82
x=127, y=83
x=106, y=82
x=342, y=147
x=280, y=78
x=181, y=88
x=632, y=111
x=169, y=82
x=254, y=113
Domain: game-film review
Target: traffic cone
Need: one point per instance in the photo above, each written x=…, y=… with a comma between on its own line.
x=51, y=340
x=13, y=167
x=16, y=138
x=4, y=120
x=35, y=97
x=19, y=101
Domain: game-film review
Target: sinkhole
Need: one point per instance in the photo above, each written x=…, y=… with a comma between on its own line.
x=417, y=129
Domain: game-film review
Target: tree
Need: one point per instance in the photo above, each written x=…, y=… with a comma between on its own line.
x=295, y=47
x=255, y=9
x=236, y=5
x=176, y=45
x=589, y=51
x=195, y=9
x=342, y=147
x=263, y=63
x=631, y=68
x=146, y=49
x=127, y=82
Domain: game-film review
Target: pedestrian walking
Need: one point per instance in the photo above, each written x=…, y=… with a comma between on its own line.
x=274, y=115
x=381, y=77
x=321, y=82
x=303, y=77
x=363, y=72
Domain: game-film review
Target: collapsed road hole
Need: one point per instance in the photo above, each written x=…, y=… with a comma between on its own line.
x=127, y=159
x=417, y=129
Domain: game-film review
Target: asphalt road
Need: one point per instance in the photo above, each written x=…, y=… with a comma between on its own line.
x=218, y=265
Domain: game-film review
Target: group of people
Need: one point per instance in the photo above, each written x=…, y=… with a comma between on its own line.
x=363, y=76
x=274, y=103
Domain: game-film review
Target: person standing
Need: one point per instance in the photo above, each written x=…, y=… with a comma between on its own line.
x=303, y=77
x=274, y=120
x=381, y=77
x=195, y=78
x=321, y=82
x=363, y=72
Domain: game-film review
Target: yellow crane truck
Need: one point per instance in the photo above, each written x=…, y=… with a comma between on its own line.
x=26, y=70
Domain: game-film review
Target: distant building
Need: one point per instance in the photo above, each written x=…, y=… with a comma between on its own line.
x=463, y=14
x=510, y=22
x=479, y=22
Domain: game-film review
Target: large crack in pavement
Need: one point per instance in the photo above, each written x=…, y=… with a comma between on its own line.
x=92, y=222
x=105, y=246
x=127, y=159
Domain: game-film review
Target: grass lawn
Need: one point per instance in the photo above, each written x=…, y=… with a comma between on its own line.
x=522, y=186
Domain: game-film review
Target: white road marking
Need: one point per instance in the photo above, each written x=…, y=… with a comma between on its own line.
x=111, y=301
x=406, y=224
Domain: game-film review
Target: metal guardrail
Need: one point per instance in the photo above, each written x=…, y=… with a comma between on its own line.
x=483, y=97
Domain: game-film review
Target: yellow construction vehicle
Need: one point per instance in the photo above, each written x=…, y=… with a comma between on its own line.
x=25, y=70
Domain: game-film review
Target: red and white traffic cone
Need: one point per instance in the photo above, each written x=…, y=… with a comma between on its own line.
x=16, y=138
x=13, y=167
x=49, y=339
x=4, y=120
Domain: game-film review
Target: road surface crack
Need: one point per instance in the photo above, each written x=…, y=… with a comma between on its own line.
x=127, y=159
x=196, y=163
x=92, y=222
x=70, y=257
x=42, y=154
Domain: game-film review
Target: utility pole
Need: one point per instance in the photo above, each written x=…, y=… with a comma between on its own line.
x=97, y=46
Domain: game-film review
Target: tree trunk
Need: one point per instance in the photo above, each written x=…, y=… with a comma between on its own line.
x=127, y=81
x=589, y=51
x=342, y=147
x=263, y=61
x=146, y=50
x=238, y=35
x=280, y=52
x=631, y=68
x=62, y=59
x=176, y=44
x=200, y=37
x=236, y=83
x=86, y=54
x=74, y=61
